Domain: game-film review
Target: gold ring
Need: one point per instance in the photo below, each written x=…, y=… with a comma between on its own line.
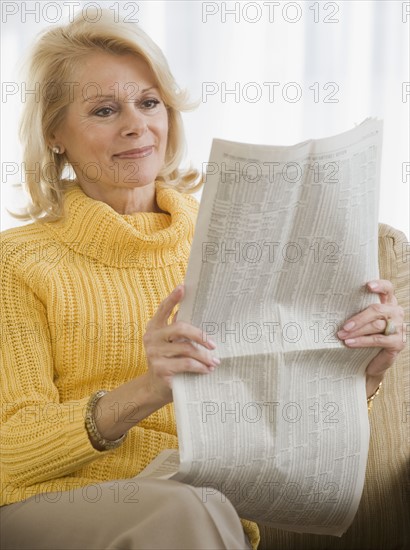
x=390, y=328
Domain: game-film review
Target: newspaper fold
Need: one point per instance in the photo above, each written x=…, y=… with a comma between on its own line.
x=285, y=241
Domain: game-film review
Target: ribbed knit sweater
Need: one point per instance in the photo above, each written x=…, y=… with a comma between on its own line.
x=76, y=296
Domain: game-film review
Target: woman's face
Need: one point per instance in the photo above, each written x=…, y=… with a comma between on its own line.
x=116, y=125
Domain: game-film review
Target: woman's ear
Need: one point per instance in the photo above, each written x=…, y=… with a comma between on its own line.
x=55, y=141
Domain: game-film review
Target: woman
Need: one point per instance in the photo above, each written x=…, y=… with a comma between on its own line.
x=87, y=400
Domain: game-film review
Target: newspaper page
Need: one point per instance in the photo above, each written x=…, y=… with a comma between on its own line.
x=285, y=242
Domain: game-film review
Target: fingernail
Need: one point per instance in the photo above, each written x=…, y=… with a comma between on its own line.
x=350, y=341
x=212, y=344
x=211, y=368
x=349, y=326
x=216, y=361
x=373, y=286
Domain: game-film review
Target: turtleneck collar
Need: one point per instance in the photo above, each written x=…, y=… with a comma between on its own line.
x=94, y=229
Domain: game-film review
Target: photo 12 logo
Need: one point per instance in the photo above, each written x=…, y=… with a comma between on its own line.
x=270, y=92
x=272, y=12
x=56, y=12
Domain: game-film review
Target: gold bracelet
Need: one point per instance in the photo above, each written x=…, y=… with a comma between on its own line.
x=371, y=398
x=91, y=426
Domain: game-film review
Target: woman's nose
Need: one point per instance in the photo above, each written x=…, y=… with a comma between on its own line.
x=134, y=122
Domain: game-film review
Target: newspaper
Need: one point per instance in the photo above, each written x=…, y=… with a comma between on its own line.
x=285, y=241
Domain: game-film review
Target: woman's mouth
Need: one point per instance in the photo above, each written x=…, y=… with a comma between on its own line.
x=136, y=153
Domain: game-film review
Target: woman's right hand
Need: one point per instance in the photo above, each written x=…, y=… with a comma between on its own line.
x=171, y=348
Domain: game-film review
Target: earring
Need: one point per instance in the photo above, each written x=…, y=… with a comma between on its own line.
x=56, y=149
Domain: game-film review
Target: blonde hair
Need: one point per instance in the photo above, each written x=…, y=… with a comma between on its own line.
x=52, y=64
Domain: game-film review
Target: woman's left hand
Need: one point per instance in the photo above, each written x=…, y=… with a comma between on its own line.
x=377, y=326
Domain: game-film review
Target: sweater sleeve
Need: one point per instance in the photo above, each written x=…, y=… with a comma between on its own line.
x=42, y=438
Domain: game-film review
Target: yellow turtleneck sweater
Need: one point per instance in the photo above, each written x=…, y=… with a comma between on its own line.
x=76, y=296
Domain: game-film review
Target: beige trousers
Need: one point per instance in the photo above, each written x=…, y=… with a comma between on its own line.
x=128, y=514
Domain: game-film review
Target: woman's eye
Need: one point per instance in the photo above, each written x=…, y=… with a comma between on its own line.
x=104, y=112
x=150, y=103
